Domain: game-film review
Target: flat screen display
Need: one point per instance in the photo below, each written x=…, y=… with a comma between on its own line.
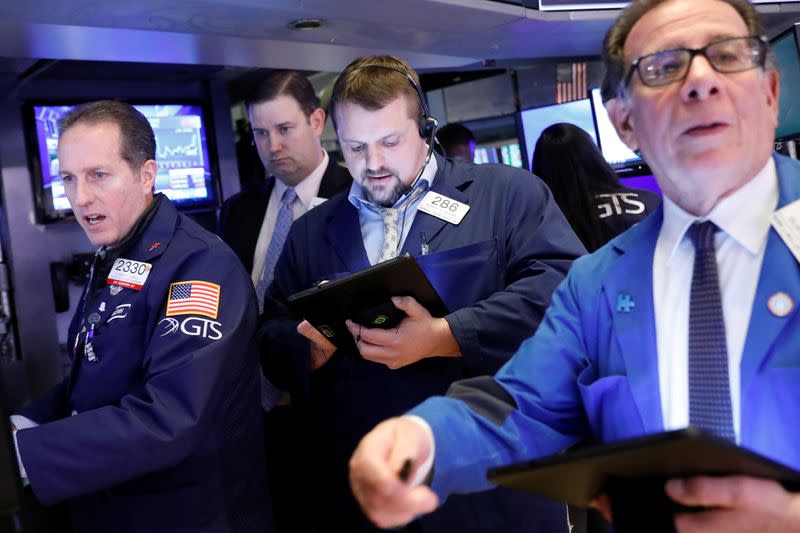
x=511, y=154
x=786, y=56
x=185, y=170
x=579, y=5
x=535, y=121
x=507, y=153
x=485, y=154
x=614, y=150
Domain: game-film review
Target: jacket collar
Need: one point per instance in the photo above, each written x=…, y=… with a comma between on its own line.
x=344, y=230
x=631, y=280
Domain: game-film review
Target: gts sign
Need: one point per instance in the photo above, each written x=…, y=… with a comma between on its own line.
x=619, y=203
x=194, y=326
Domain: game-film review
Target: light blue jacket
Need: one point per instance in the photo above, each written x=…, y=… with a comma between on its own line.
x=591, y=369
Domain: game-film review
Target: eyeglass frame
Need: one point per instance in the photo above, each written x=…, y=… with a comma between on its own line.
x=693, y=52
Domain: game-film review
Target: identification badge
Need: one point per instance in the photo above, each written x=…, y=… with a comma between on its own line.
x=129, y=273
x=786, y=222
x=442, y=207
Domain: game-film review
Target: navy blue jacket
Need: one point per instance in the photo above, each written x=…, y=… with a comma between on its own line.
x=162, y=432
x=495, y=271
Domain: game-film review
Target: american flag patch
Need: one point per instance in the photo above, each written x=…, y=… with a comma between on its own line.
x=193, y=298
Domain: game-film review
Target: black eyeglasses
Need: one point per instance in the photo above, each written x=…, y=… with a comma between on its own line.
x=736, y=54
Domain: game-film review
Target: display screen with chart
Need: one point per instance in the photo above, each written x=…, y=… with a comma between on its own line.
x=186, y=172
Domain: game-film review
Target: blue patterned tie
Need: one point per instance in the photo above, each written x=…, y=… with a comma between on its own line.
x=279, y=234
x=709, y=388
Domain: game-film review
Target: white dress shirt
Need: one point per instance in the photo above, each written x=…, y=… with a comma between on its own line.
x=744, y=221
x=306, y=193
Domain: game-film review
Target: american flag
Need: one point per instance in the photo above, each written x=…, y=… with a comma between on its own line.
x=571, y=82
x=193, y=298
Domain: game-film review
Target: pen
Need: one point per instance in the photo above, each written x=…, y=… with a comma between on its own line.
x=424, y=248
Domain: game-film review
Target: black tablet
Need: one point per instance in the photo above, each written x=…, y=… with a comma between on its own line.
x=365, y=298
x=578, y=476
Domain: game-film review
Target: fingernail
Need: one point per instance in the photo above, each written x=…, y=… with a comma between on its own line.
x=676, y=487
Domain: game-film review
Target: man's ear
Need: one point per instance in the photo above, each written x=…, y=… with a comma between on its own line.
x=317, y=120
x=620, y=114
x=148, y=175
x=772, y=91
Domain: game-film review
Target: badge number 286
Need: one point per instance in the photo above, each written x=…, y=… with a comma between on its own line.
x=443, y=207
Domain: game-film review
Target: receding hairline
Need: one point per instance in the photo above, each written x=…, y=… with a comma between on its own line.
x=617, y=36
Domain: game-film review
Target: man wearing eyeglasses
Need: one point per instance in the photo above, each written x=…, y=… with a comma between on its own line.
x=689, y=318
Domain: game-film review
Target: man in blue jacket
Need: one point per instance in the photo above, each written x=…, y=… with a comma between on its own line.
x=617, y=353
x=157, y=427
x=491, y=240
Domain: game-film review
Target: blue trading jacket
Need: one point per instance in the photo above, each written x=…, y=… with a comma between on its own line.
x=591, y=370
x=161, y=431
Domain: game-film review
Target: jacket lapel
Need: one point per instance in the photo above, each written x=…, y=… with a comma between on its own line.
x=780, y=272
x=430, y=225
x=629, y=295
x=343, y=232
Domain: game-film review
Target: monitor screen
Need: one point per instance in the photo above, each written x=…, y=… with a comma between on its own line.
x=786, y=56
x=535, y=121
x=485, y=154
x=510, y=154
x=616, y=153
x=185, y=170
x=505, y=152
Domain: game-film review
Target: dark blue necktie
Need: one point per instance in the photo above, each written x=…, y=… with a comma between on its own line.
x=279, y=234
x=709, y=388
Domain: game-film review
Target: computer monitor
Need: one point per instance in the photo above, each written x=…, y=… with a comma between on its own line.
x=534, y=121
x=510, y=154
x=187, y=173
x=506, y=152
x=485, y=154
x=621, y=158
x=787, y=57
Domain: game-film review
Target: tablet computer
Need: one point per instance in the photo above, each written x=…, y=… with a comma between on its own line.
x=365, y=298
x=578, y=476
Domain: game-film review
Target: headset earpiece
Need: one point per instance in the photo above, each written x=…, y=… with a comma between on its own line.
x=427, y=127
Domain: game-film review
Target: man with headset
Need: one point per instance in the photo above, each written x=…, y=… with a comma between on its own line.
x=494, y=261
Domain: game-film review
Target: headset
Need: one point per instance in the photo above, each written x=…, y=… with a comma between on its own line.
x=426, y=126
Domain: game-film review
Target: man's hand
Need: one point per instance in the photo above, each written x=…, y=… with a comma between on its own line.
x=736, y=503
x=416, y=337
x=385, y=498
x=321, y=349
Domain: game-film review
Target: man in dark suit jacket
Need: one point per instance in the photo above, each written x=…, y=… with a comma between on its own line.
x=494, y=268
x=287, y=121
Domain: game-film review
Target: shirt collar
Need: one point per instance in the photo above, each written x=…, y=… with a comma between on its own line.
x=744, y=215
x=356, y=195
x=307, y=189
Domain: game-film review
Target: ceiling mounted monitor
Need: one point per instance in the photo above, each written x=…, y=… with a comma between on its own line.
x=572, y=5
x=187, y=171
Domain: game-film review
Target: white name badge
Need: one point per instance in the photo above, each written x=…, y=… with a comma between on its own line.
x=440, y=206
x=786, y=222
x=129, y=273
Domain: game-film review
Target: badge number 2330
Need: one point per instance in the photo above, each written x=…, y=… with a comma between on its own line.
x=129, y=273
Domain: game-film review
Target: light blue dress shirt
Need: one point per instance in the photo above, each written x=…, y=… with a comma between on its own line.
x=371, y=221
